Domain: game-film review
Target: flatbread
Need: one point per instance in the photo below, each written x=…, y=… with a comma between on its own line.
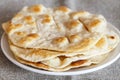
x=54, y=29
x=105, y=45
x=58, y=39
x=77, y=64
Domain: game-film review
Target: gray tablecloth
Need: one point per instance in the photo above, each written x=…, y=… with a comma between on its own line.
x=109, y=8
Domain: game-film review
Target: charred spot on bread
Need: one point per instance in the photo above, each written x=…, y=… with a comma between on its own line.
x=112, y=37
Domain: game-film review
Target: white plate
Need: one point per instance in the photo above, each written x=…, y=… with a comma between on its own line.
x=114, y=55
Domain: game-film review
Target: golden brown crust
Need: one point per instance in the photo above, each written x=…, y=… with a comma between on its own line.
x=32, y=23
x=94, y=23
x=62, y=57
x=83, y=45
x=21, y=33
x=74, y=38
x=33, y=35
x=60, y=41
x=37, y=64
x=72, y=24
x=101, y=42
x=9, y=26
x=36, y=8
x=28, y=19
x=79, y=62
x=28, y=38
x=46, y=18
x=63, y=9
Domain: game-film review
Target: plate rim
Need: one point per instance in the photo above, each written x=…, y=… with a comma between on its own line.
x=13, y=60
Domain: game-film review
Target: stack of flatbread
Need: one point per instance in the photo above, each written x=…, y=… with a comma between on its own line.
x=58, y=39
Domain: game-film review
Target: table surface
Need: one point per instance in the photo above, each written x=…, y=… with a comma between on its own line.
x=109, y=8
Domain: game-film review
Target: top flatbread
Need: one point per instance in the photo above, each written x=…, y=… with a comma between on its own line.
x=58, y=29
